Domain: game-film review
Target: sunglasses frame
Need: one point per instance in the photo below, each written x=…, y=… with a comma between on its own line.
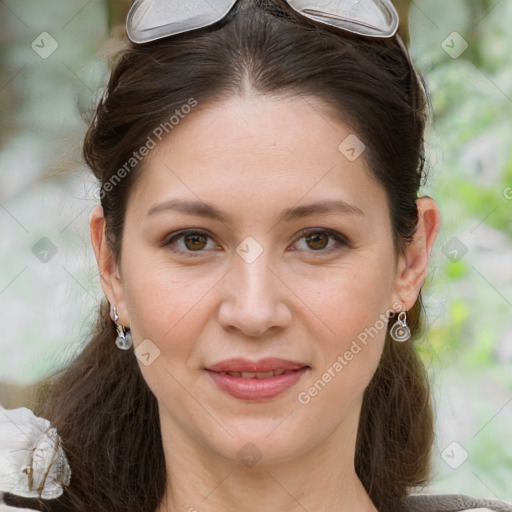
x=202, y=19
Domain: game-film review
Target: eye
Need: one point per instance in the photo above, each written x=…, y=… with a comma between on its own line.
x=188, y=242
x=317, y=240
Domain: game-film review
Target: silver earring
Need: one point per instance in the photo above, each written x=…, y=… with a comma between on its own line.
x=124, y=338
x=400, y=331
x=113, y=314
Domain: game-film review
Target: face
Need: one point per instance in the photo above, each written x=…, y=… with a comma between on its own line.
x=226, y=257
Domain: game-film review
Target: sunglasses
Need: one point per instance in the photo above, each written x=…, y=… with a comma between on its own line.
x=149, y=20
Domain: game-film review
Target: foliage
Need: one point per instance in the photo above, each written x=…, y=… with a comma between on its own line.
x=469, y=293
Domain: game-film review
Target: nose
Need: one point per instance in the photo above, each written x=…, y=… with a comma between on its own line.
x=254, y=298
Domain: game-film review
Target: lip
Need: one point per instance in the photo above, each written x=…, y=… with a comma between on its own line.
x=263, y=365
x=256, y=389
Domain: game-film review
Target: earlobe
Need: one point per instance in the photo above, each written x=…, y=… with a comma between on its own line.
x=109, y=275
x=413, y=263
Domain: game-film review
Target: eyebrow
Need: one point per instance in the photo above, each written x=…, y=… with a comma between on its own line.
x=201, y=209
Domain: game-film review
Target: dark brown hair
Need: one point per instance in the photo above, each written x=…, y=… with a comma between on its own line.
x=104, y=411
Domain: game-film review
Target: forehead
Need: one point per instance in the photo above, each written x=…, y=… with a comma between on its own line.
x=261, y=151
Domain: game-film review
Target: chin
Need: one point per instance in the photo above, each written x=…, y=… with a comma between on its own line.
x=260, y=442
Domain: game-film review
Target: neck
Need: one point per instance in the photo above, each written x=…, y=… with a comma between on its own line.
x=270, y=491
x=321, y=479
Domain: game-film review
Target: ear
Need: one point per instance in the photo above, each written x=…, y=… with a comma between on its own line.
x=413, y=263
x=110, y=275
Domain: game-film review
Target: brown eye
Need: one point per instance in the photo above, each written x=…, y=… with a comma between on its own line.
x=195, y=241
x=321, y=241
x=317, y=241
x=190, y=243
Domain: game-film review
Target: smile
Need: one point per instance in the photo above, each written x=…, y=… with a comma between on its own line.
x=252, y=375
x=257, y=386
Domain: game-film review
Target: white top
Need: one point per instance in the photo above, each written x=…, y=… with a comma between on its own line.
x=32, y=461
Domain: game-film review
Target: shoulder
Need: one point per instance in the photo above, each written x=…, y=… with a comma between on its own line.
x=33, y=463
x=454, y=503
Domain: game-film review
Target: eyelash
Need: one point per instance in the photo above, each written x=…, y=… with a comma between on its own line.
x=341, y=241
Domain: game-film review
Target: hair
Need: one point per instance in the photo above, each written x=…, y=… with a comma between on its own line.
x=100, y=404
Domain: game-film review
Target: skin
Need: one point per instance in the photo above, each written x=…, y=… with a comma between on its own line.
x=253, y=157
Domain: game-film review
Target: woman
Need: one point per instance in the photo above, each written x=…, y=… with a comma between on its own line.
x=262, y=247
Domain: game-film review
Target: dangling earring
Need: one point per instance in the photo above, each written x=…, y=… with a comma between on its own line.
x=399, y=331
x=124, y=338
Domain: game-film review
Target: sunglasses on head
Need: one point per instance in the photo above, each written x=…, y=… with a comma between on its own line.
x=149, y=20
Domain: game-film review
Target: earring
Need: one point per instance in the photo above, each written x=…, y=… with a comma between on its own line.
x=113, y=314
x=399, y=331
x=124, y=338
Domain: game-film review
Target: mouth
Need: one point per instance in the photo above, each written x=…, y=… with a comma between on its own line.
x=256, y=375
x=256, y=381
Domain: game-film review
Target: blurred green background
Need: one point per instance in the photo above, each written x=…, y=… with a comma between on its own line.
x=53, y=64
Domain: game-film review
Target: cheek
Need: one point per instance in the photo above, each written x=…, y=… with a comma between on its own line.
x=348, y=301
x=162, y=300
x=169, y=310
x=353, y=308
x=348, y=356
